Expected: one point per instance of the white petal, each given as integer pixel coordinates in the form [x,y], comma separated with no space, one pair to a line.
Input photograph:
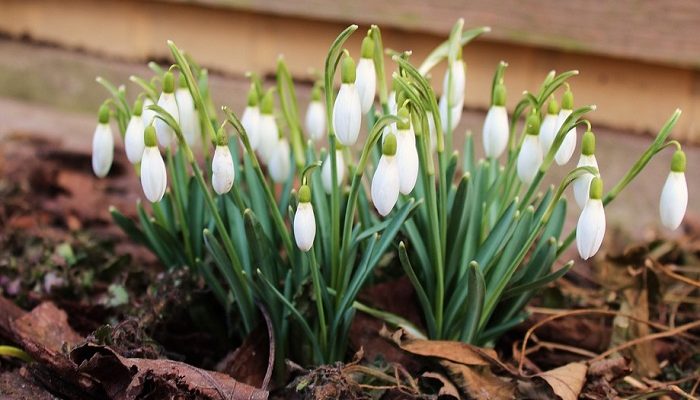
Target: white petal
[304,226]
[165,133]
[280,163]
[316,120]
[458,82]
[548,129]
[385,185]
[188,115]
[223,173]
[582,184]
[133,139]
[366,83]
[455,114]
[102,150]
[251,123]
[268,135]
[146,114]
[326,176]
[529,158]
[590,229]
[154,179]
[347,115]
[566,150]
[391,103]
[495,131]
[674,200]
[407,160]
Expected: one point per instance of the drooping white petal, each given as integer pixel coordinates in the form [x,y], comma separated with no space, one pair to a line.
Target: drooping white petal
[146,114]
[188,116]
[385,185]
[391,103]
[407,160]
[495,131]
[582,184]
[326,176]
[458,83]
[548,130]
[154,178]
[529,158]
[223,173]
[251,123]
[280,163]
[133,139]
[674,200]
[268,135]
[304,226]
[164,132]
[102,150]
[590,229]
[366,83]
[455,114]
[566,150]
[316,120]
[347,114]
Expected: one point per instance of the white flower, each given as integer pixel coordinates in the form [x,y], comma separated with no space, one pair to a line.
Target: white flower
[407,160]
[591,224]
[455,114]
[133,139]
[304,221]
[566,150]
[548,131]
[326,176]
[223,173]
[316,120]
[347,114]
[458,83]
[154,179]
[529,158]
[366,83]
[268,136]
[188,115]
[583,183]
[251,123]
[164,132]
[391,103]
[674,196]
[147,114]
[280,163]
[102,145]
[495,131]
[385,182]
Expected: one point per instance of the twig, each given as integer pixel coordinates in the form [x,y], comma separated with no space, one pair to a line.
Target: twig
[671,274]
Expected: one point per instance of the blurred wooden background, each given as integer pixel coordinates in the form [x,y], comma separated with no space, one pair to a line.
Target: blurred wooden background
[638,59]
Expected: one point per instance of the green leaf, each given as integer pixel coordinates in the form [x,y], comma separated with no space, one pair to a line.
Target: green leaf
[441,51]
[474,304]
[538,283]
[420,292]
[129,227]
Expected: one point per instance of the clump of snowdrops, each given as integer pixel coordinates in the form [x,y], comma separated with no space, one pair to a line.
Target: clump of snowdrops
[269,220]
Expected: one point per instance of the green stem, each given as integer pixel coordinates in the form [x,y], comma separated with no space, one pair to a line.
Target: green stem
[316,278]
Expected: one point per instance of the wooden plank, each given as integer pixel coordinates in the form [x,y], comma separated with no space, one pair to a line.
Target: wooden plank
[648,30]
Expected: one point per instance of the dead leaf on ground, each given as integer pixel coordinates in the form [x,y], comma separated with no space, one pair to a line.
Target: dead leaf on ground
[567,381]
[447,388]
[479,382]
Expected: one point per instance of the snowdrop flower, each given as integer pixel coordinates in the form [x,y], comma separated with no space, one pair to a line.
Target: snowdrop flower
[530,156]
[366,81]
[548,129]
[133,138]
[154,179]
[326,176]
[496,124]
[591,224]
[674,196]
[268,133]
[456,89]
[223,173]
[347,112]
[406,153]
[102,144]
[395,98]
[316,115]
[251,118]
[280,164]
[147,114]
[385,182]
[188,115]
[566,150]
[455,114]
[167,101]
[304,220]
[583,182]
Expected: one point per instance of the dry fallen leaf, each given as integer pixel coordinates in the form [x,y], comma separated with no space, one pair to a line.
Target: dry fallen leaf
[566,381]
[447,389]
[479,382]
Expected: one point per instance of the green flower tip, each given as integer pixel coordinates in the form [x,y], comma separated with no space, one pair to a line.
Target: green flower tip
[678,161]
[267,104]
[347,70]
[316,93]
[183,81]
[405,117]
[103,114]
[168,82]
[499,95]
[138,107]
[367,47]
[221,137]
[567,102]
[553,107]
[304,194]
[588,144]
[149,136]
[596,190]
[252,96]
[532,125]
[389,146]
[459,53]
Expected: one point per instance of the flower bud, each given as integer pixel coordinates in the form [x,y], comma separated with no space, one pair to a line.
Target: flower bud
[189,120]
[568,145]
[406,153]
[280,163]
[154,178]
[530,156]
[223,172]
[304,221]
[590,229]
[327,176]
[674,196]
[102,144]
[495,131]
[455,114]
[251,118]
[347,111]
[316,115]
[147,114]
[548,129]
[268,133]
[583,182]
[133,138]
[458,82]
[366,77]
[168,102]
[385,182]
